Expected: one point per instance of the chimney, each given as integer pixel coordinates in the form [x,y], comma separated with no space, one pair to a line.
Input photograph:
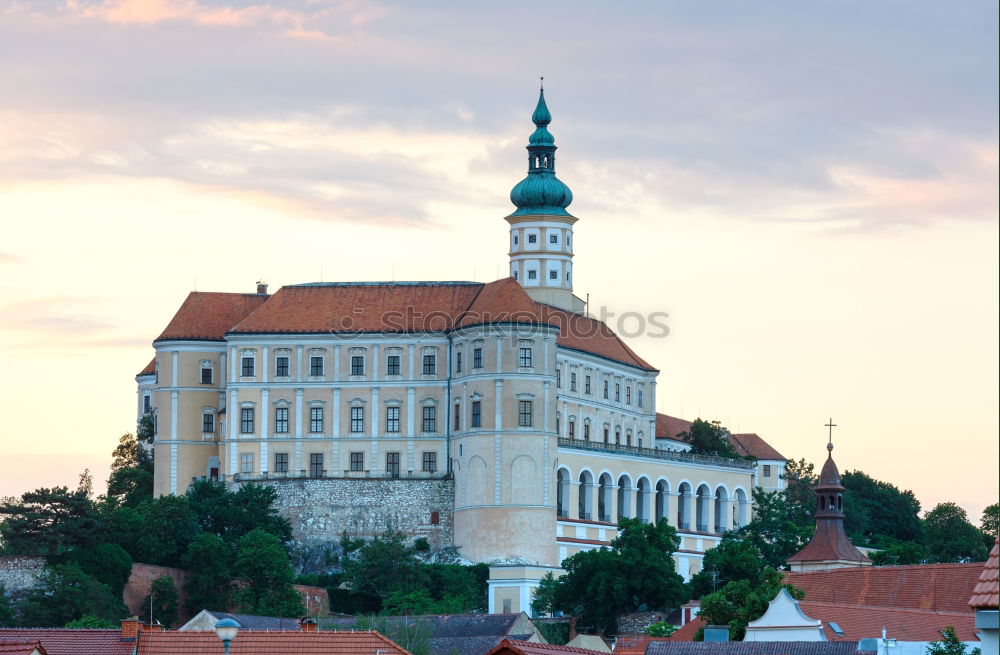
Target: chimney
[307,624]
[262,287]
[130,628]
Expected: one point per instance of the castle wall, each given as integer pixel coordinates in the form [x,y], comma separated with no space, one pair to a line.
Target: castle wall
[19,572]
[320,510]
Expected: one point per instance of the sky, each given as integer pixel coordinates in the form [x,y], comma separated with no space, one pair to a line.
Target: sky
[808,190]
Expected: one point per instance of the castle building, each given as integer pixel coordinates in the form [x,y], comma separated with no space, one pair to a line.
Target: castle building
[498,417]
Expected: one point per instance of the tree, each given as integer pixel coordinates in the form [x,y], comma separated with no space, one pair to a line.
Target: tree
[262,566]
[65,593]
[107,563]
[708,438]
[734,558]
[91,621]
[209,583]
[800,479]
[660,629]
[232,514]
[950,536]
[384,566]
[131,479]
[895,553]
[6,609]
[157,531]
[772,531]
[990,523]
[49,522]
[740,602]
[637,571]
[161,601]
[950,644]
[873,507]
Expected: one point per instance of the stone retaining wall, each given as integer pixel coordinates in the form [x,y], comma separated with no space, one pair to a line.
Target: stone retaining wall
[19,572]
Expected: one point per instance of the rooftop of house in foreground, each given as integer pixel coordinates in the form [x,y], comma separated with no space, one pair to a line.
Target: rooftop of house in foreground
[345,308]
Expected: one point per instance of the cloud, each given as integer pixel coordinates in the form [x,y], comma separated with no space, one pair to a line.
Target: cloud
[8,258]
[63,324]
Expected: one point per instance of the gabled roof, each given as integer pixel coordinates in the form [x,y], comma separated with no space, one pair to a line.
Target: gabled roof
[986,594]
[443,625]
[21,648]
[750,444]
[262,642]
[72,641]
[503,301]
[754,648]
[829,543]
[937,587]
[590,335]
[864,621]
[207,316]
[254,622]
[669,427]
[514,647]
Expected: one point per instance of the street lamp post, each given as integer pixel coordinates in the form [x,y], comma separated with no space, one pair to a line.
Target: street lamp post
[226,629]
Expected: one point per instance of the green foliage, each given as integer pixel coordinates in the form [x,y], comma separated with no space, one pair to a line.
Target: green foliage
[800,478]
[345,601]
[6,609]
[555,631]
[637,572]
[950,536]
[708,438]
[49,522]
[773,531]
[107,563]
[421,545]
[740,602]
[92,621]
[406,603]
[734,558]
[873,507]
[262,566]
[895,553]
[660,629]
[161,601]
[65,593]
[990,523]
[232,514]
[159,530]
[950,644]
[384,566]
[208,561]
[131,479]
[412,634]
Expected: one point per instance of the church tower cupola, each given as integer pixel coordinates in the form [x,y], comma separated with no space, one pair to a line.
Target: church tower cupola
[541,230]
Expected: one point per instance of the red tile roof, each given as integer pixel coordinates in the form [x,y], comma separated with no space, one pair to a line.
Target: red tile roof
[669,427]
[986,594]
[635,644]
[72,641]
[829,543]
[208,316]
[500,302]
[936,587]
[590,335]
[756,648]
[21,648]
[150,368]
[862,621]
[274,642]
[750,444]
[514,647]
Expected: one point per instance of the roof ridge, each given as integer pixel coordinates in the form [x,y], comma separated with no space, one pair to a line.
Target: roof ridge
[891,608]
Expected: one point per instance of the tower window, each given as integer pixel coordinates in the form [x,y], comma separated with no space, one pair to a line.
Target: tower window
[553,275]
[515,275]
[532,275]
[515,239]
[532,238]
[477,358]
[524,357]
[553,238]
[477,414]
[524,413]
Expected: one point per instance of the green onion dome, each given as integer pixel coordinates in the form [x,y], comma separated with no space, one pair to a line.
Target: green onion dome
[541,192]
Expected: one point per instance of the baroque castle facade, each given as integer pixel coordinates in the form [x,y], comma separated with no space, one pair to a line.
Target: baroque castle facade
[496,417]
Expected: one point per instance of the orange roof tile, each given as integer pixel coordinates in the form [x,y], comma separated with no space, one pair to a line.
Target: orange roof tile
[864,621]
[935,587]
[750,444]
[263,642]
[21,648]
[669,427]
[515,647]
[72,641]
[986,594]
[590,335]
[208,315]
[501,302]
[635,644]
[150,368]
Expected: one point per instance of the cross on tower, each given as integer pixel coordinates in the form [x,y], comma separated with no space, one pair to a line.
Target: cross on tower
[829,443]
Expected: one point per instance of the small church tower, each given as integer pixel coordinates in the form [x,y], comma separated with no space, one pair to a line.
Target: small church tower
[541,230]
[829,547]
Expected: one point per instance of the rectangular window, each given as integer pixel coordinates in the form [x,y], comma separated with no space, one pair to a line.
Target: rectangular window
[586,384]
[206,375]
[457,423]
[358,461]
[280,420]
[553,238]
[430,462]
[246,462]
[628,395]
[281,367]
[315,365]
[553,275]
[477,358]
[208,422]
[246,370]
[605,435]
[315,419]
[477,414]
[281,462]
[458,362]
[357,365]
[524,413]
[572,381]
[532,275]
[524,357]
[586,431]
[315,465]
[430,419]
[392,419]
[246,420]
[357,419]
[572,429]
[430,364]
[767,470]
[558,378]
[532,238]
[392,464]
[605,390]
[638,397]
[618,392]
[392,365]
[147,404]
